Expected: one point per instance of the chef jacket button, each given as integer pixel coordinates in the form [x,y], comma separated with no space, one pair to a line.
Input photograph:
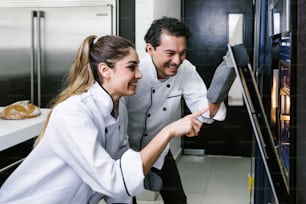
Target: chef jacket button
[119,127]
[168,85]
[146,134]
[153,90]
[149,115]
[106,130]
[164,109]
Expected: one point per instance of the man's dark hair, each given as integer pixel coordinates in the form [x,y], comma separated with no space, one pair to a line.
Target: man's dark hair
[168,25]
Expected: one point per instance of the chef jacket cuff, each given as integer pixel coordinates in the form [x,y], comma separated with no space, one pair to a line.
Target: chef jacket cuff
[220,115]
[132,171]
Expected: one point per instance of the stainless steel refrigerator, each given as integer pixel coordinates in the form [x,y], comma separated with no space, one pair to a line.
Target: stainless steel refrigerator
[38,45]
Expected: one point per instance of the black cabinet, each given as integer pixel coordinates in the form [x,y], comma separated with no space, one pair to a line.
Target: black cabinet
[209,22]
[12,157]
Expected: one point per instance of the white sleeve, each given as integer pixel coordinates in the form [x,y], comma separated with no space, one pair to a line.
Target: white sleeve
[195,94]
[73,136]
[219,116]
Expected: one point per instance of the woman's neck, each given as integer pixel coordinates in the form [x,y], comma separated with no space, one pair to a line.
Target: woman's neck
[115,110]
[115,100]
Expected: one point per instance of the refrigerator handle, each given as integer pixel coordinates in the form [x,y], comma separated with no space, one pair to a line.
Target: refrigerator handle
[112,17]
[34,14]
[36,56]
[40,15]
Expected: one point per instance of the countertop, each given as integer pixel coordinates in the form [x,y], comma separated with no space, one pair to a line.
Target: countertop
[13,132]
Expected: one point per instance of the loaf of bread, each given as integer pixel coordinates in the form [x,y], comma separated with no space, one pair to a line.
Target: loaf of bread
[20,110]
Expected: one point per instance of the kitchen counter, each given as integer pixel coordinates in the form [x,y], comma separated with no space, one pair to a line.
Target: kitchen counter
[13,132]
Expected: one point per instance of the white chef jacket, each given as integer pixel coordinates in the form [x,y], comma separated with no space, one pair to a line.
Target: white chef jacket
[158,102]
[82,156]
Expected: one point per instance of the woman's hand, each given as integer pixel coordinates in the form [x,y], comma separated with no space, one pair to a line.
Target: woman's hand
[188,125]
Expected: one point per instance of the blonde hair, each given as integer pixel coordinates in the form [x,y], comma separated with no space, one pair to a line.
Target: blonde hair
[84,70]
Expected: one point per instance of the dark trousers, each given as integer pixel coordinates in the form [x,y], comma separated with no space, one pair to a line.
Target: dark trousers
[172,191]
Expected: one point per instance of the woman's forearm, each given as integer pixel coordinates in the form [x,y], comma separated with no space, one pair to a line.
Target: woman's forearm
[152,151]
[188,126]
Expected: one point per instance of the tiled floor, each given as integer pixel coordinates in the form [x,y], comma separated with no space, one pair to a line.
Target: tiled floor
[213,180]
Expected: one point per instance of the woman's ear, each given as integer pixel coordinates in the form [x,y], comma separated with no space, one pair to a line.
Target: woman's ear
[104,70]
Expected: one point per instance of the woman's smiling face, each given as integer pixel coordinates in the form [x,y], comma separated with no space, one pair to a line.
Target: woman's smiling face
[122,79]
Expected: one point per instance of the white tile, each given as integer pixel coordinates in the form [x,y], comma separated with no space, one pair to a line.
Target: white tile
[195,164]
[194,198]
[195,185]
[228,183]
[232,164]
[229,176]
[213,179]
[217,198]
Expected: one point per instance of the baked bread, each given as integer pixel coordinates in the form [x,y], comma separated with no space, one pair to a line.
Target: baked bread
[20,110]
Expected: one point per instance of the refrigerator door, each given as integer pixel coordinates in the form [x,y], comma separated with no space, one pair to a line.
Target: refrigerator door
[62,29]
[38,45]
[15,55]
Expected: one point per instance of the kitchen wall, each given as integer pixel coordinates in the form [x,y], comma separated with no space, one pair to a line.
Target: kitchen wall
[146,11]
